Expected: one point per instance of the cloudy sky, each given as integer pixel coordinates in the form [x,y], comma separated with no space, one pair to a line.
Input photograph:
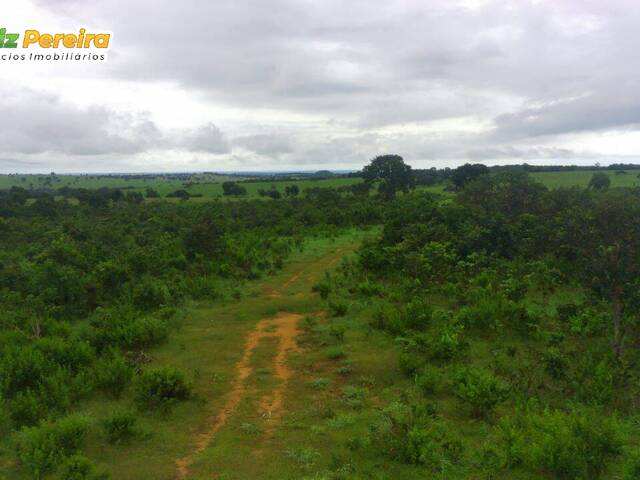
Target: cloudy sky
[246,85]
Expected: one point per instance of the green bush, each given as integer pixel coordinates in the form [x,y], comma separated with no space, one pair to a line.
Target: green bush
[632,465]
[492,311]
[481,390]
[42,448]
[353,396]
[410,434]
[149,294]
[120,427]
[417,314]
[162,386]
[338,308]
[410,362]
[335,353]
[337,332]
[388,318]
[113,374]
[445,342]
[323,288]
[28,408]
[554,362]
[78,467]
[574,445]
[428,379]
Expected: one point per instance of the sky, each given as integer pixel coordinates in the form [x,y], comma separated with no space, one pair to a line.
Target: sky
[254,85]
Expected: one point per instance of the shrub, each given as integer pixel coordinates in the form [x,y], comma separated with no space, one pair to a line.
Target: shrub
[120,427]
[445,343]
[78,467]
[572,446]
[337,332]
[335,353]
[494,312]
[409,434]
[554,362]
[353,396]
[161,386]
[632,466]
[319,384]
[388,318]
[576,445]
[150,294]
[113,374]
[369,288]
[28,408]
[143,332]
[481,390]
[410,362]
[41,449]
[428,379]
[21,368]
[417,314]
[323,288]
[338,308]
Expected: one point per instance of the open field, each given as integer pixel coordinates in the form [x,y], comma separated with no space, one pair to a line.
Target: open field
[210,186]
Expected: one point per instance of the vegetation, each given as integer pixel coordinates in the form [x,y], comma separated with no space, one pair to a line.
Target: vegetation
[488,331]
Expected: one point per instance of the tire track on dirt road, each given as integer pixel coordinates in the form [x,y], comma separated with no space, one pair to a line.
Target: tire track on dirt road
[284,326]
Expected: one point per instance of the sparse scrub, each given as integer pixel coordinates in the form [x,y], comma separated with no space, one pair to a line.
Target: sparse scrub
[428,379]
[304,457]
[120,426]
[338,308]
[319,384]
[78,467]
[335,353]
[42,448]
[480,390]
[160,387]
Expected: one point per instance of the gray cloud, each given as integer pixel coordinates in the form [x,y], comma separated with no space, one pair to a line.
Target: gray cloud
[270,145]
[533,71]
[593,111]
[207,138]
[40,123]
[37,123]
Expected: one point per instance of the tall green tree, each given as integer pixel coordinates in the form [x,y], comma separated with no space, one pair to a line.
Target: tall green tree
[608,256]
[467,173]
[393,174]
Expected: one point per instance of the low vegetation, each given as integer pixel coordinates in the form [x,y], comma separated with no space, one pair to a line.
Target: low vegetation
[485,332]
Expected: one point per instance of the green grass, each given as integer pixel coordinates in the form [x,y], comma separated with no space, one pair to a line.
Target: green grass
[209,186]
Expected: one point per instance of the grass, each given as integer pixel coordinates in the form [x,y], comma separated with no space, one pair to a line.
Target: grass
[207,185]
